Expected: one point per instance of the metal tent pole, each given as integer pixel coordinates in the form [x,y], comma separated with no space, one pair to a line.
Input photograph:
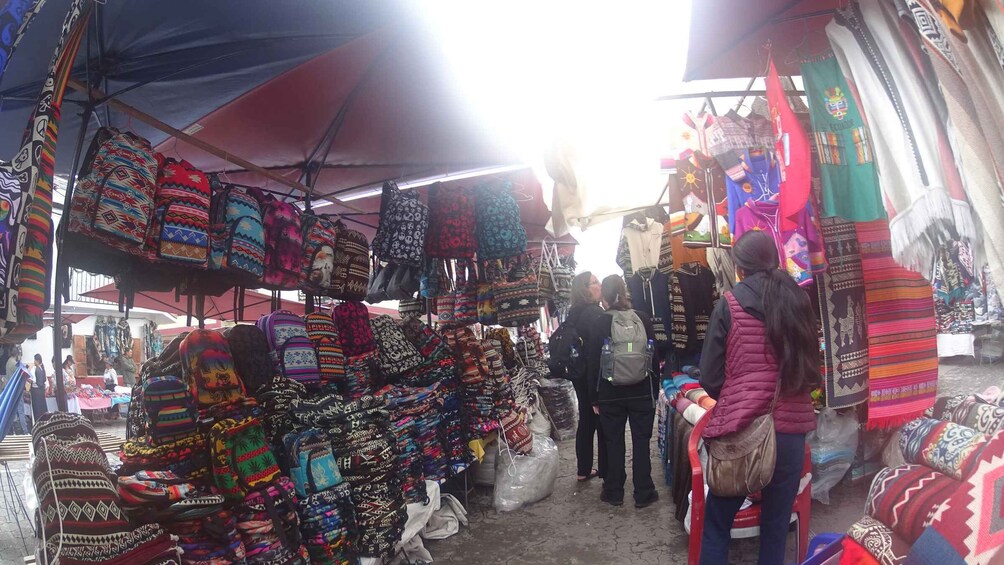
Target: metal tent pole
[57,304]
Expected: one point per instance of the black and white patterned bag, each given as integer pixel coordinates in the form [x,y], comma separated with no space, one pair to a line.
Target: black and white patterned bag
[397,354]
[404,222]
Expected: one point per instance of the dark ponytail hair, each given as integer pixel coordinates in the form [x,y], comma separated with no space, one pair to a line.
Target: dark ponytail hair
[614,293]
[791,321]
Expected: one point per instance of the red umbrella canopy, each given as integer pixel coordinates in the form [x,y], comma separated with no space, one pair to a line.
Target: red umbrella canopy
[526,189]
[380,107]
[728,38]
[221,307]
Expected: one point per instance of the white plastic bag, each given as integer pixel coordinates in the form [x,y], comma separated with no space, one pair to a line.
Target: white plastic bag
[539,424]
[561,407]
[484,471]
[833,443]
[525,479]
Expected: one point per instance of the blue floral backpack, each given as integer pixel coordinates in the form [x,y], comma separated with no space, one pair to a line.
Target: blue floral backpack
[499,230]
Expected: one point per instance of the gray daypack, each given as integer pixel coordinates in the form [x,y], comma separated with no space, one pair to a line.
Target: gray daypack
[627,356]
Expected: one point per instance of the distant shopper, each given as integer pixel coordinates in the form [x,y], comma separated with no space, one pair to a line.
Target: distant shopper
[110,376]
[38,406]
[583,316]
[622,388]
[761,331]
[13,366]
[126,367]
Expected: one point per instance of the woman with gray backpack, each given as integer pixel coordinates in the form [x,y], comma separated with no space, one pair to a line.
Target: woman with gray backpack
[621,370]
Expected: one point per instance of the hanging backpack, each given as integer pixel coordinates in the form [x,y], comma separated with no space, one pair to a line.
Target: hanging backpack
[626,358]
[352,320]
[292,351]
[208,368]
[241,459]
[170,409]
[350,278]
[238,234]
[404,222]
[320,237]
[250,351]
[113,202]
[451,224]
[500,231]
[283,243]
[330,358]
[312,465]
[179,226]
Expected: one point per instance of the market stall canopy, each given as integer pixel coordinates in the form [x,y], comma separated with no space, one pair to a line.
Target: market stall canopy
[358,89]
[728,38]
[221,307]
[526,188]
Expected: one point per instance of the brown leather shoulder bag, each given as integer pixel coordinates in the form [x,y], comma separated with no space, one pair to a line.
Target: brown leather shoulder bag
[742,463]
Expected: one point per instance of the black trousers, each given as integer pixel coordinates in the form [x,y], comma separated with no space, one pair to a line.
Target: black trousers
[589,426]
[614,415]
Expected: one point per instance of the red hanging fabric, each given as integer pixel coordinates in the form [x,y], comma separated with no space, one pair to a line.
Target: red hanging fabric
[792,147]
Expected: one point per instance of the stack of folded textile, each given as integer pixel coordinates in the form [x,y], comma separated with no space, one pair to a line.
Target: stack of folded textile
[275,400]
[421,406]
[209,538]
[328,524]
[268,523]
[478,405]
[80,511]
[365,451]
[360,375]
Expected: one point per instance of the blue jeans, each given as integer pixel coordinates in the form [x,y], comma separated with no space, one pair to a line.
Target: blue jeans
[19,412]
[775,510]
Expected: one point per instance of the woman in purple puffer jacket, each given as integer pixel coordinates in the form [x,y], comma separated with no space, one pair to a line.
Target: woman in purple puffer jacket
[761,331]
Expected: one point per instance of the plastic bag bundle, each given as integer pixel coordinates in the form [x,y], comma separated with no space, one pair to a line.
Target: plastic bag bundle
[561,406]
[525,479]
[484,472]
[833,444]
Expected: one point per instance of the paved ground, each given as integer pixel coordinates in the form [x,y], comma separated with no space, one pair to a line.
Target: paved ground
[572,526]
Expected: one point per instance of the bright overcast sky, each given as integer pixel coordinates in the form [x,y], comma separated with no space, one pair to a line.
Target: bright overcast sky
[533,71]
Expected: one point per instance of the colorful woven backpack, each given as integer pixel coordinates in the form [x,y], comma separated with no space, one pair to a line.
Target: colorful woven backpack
[451,224]
[179,226]
[292,351]
[352,321]
[283,243]
[312,462]
[170,409]
[250,351]
[404,223]
[351,275]
[113,202]
[322,331]
[208,368]
[238,234]
[320,236]
[500,232]
[242,461]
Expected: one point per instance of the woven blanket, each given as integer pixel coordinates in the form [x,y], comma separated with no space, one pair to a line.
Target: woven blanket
[842,313]
[944,446]
[968,527]
[904,498]
[970,412]
[902,342]
[884,545]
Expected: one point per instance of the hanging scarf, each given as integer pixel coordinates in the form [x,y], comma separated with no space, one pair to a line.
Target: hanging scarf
[29,175]
[792,148]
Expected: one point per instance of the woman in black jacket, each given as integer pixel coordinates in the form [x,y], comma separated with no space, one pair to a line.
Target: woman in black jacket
[582,315]
[617,405]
